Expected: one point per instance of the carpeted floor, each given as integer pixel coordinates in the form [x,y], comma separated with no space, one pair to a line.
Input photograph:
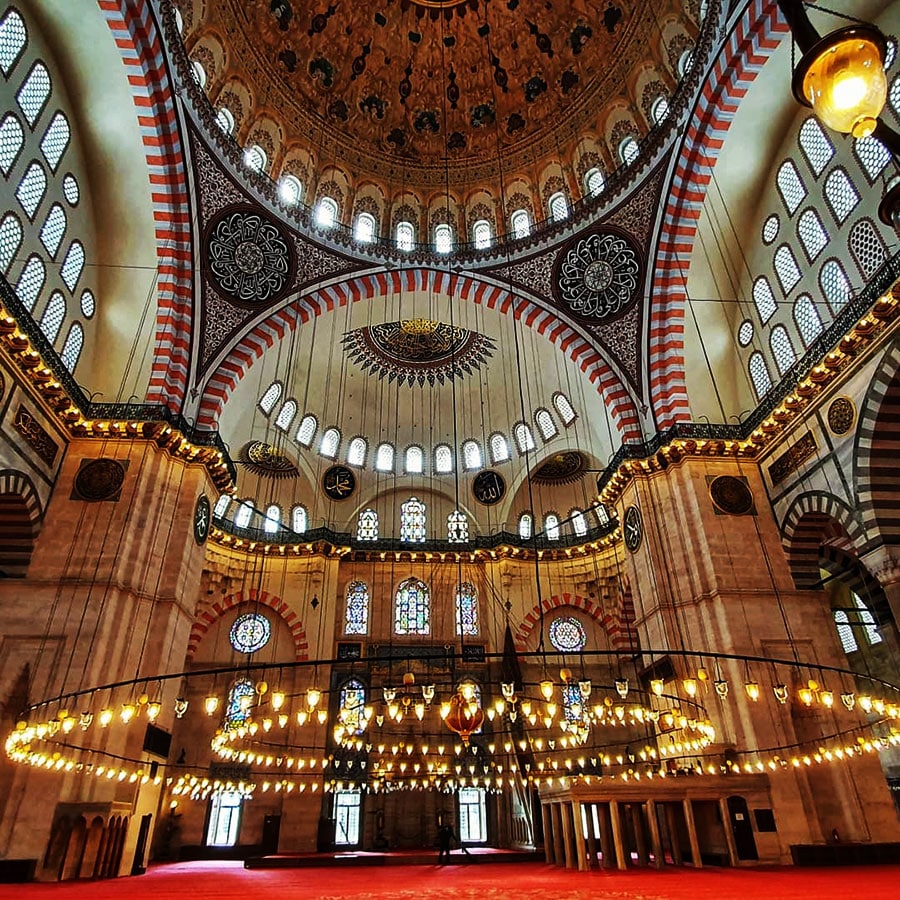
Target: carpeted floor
[230,881]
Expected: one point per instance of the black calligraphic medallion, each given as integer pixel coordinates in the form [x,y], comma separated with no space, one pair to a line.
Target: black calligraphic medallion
[338,482]
[488,487]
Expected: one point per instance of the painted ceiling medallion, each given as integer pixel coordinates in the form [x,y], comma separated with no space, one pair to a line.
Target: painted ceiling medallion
[267,461]
[598,276]
[561,468]
[731,495]
[99,479]
[416,351]
[248,256]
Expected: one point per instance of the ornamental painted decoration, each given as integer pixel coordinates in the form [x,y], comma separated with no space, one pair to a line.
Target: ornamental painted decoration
[416,351]
[99,479]
[250,632]
[202,518]
[841,415]
[249,258]
[731,495]
[267,461]
[598,276]
[561,468]
[567,634]
[633,528]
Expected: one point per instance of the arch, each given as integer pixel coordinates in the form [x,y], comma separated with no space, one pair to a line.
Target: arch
[254,344]
[207,617]
[619,626]
[20,520]
[754,38]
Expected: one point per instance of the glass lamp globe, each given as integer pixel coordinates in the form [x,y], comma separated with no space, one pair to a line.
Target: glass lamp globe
[842,78]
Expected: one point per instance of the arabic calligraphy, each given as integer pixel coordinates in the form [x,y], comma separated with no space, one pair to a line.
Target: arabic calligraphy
[35,436]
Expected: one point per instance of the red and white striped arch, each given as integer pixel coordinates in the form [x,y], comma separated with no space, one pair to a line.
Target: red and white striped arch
[753,40]
[367,287]
[140,44]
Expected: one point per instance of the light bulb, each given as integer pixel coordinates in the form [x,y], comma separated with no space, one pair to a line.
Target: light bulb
[277,700]
[752,690]
[154,708]
[106,716]
[690,686]
[127,713]
[826,698]
[806,696]
[622,687]
[657,685]
[547,688]
[467,689]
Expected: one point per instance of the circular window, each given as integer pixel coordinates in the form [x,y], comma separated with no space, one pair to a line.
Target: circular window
[88,305]
[250,633]
[567,634]
[70,190]
[770,229]
[745,333]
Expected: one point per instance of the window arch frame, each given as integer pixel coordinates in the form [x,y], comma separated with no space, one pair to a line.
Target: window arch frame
[367,234]
[367,525]
[311,423]
[413,521]
[385,456]
[806,316]
[457,527]
[33,114]
[482,235]
[782,348]
[13,61]
[813,237]
[524,438]
[357,452]
[290,189]
[53,316]
[327,213]
[356,608]
[792,194]
[405,236]
[8,158]
[286,415]
[498,439]
[299,517]
[520,223]
[332,436]
[558,206]
[440,451]
[629,150]
[546,424]
[831,189]
[255,158]
[270,397]
[564,408]
[414,460]
[419,622]
[466,625]
[760,377]
[816,147]
[525,526]
[473,458]
[442,238]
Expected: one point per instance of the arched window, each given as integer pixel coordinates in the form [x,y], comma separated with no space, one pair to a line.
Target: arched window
[71,191]
[782,349]
[364,229]
[54,314]
[867,247]
[807,319]
[579,522]
[307,429]
[272,522]
[526,526]
[845,632]
[466,609]
[443,238]
[786,268]
[405,236]
[594,182]
[659,111]
[290,189]
[521,223]
[412,521]
[412,608]
[31,189]
[872,155]
[255,158]
[327,212]
[481,232]
[34,93]
[225,120]
[367,525]
[357,451]
[759,375]
[243,514]
[558,206]
[629,151]
[54,229]
[685,63]
[834,284]
[299,519]
[812,233]
[221,506]
[499,448]
[286,415]
[31,282]
[384,458]
[240,699]
[88,304]
[790,186]
[415,460]
[471,452]
[602,514]
[10,241]
[356,617]
[352,712]
[457,527]
[546,425]
[816,146]
[12,137]
[524,438]
[551,527]
[564,408]
[13,38]
[73,265]
[270,397]
[868,621]
[443,459]
[331,441]
[199,73]
[840,194]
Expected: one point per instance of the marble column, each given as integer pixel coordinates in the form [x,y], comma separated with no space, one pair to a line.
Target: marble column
[655,840]
[618,836]
[729,832]
[548,833]
[692,834]
[580,846]
[568,834]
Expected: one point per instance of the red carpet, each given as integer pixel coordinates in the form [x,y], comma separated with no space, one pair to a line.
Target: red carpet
[230,881]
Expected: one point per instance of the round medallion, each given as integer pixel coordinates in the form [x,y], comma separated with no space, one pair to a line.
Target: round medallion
[100,479]
[731,495]
[338,482]
[202,518]
[561,468]
[633,528]
[489,487]
[267,461]
[598,276]
[250,633]
[841,415]
[567,634]
[250,258]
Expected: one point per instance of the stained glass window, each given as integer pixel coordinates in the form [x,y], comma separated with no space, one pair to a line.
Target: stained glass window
[412,521]
[521,223]
[367,526]
[834,284]
[31,189]
[13,37]
[356,452]
[250,632]
[412,608]
[472,459]
[526,524]
[222,505]
[298,519]
[270,397]
[524,437]
[499,448]
[659,112]
[559,207]
[564,408]
[546,425]
[551,527]
[759,375]
[240,699]
[840,195]
[457,527]
[31,281]
[790,186]
[52,319]
[573,702]
[272,522]
[567,634]
[12,137]
[10,241]
[53,230]
[579,523]
[353,704]
[384,458]
[809,322]
[356,618]
[782,349]
[415,460]
[466,609]
[817,148]
[55,140]
[286,415]
[72,265]
[331,440]
[307,430]
[443,459]
[34,93]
